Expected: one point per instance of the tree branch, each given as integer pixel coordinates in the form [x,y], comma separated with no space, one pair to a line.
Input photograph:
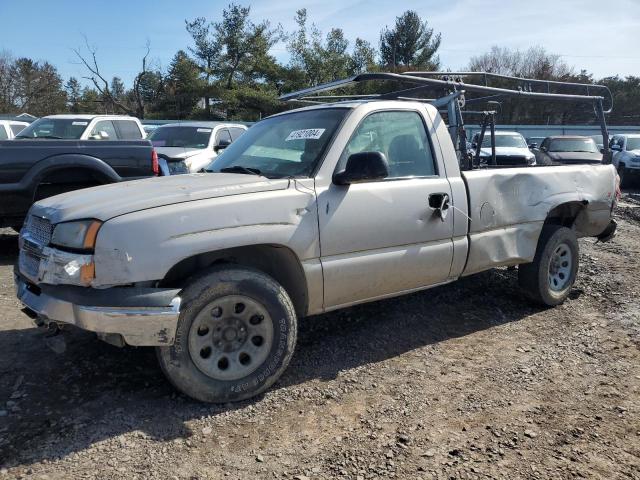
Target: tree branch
[101,83]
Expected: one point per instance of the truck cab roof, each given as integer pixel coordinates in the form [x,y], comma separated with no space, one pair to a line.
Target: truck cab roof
[85,116]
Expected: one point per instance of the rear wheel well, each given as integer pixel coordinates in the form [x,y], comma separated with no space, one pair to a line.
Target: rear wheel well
[565,214]
[67,179]
[277,261]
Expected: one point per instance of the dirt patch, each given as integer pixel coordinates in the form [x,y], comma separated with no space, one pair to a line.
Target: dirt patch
[463,381]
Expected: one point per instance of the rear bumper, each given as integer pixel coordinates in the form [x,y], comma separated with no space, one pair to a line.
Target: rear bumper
[609,232]
[141,316]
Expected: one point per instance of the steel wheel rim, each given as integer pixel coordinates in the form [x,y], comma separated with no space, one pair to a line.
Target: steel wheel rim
[230,337]
[560,266]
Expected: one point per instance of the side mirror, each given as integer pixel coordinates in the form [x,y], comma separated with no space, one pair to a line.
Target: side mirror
[222,144]
[533,145]
[474,145]
[101,135]
[363,167]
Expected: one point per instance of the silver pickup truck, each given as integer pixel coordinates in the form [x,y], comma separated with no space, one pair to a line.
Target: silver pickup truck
[311,210]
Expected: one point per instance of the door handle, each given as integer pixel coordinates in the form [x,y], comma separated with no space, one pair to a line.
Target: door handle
[439,202]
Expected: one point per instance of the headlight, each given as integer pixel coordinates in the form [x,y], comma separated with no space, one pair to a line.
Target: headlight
[80,235]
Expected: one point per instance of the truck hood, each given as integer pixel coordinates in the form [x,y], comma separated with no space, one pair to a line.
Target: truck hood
[508,151]
[108,201]
[576,157]
[179,152]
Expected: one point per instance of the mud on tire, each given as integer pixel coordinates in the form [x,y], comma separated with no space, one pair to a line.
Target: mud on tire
[235,337]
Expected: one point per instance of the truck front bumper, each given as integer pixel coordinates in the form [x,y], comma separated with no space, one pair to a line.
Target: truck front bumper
[139,316]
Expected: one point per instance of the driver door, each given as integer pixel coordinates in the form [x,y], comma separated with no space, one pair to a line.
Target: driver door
[382,238]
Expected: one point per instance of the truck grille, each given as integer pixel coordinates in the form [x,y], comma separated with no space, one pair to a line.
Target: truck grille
[38,229]
[511,160]
[29,265]
[35,234]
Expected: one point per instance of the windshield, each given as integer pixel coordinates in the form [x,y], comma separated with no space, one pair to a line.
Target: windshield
[64,128]
[633,143]
[573,145]
[283,146]
[505,141]
[187,137]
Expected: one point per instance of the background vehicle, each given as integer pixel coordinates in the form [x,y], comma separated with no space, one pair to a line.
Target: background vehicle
[626,157]
[568,149]
[309,211]
[511,149]
[534,142]
[196,144]
[598,140]
[31,170]
[10,128]
[84,127]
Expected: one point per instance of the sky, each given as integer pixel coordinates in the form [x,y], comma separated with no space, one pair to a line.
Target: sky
[601,37]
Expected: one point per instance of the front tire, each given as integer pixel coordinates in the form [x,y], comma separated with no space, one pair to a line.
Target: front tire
[235,337]
[549,278]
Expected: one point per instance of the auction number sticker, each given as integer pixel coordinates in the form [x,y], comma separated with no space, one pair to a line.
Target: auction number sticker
[204,130]
[83,124]
[306,134]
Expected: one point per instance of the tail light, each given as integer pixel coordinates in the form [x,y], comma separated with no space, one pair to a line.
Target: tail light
[154,162]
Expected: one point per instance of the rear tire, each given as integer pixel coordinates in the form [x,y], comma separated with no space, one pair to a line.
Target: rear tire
[549,278]
[236,334]
[624,178]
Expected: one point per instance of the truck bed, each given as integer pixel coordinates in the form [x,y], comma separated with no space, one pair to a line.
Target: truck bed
[508,207]
[33,169]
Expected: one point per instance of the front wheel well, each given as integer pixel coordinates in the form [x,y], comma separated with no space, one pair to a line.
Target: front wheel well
[277,261]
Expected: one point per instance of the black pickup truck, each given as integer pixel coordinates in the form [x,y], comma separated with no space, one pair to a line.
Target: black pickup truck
[34,169]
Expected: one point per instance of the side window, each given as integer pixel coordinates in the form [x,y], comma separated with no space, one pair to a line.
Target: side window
[128,130]
[236,132]
[401,136]
[16,128]
[107,127]
[3,133]
[223,134]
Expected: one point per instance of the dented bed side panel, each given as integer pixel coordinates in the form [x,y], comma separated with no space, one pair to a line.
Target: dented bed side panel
[508,208]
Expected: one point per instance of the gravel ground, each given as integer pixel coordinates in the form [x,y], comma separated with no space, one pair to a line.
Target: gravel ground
[467,380]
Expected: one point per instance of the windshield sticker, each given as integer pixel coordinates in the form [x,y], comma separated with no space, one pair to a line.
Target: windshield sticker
[84,124]
[306,134]
[204,130]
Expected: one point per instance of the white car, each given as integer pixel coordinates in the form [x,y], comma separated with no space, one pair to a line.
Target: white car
[196,144]
[626,156]
[85,127]
[10,128]
[511,149]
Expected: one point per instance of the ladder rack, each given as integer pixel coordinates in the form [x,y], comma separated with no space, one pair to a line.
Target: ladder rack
[450,89]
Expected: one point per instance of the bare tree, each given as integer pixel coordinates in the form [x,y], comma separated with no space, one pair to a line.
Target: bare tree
[103,86]
[534,62]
